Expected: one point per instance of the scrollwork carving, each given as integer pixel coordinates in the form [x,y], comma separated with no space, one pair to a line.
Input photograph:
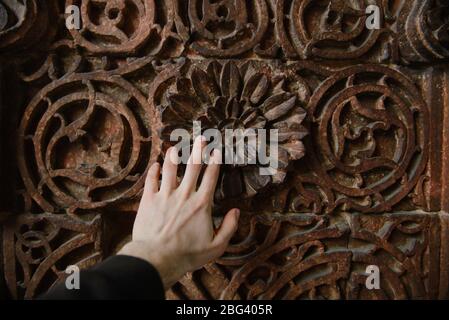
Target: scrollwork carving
[85,142]
[95,108]
[227,28]
[333,29]
[369,143]
[121,27]
[304,256]
[38,248]
[24,24]
[424,30]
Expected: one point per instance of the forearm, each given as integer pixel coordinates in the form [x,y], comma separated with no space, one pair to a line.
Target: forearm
[118,277]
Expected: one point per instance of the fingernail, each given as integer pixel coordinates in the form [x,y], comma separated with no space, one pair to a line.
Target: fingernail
[173,155]
[237,213]
[169,151]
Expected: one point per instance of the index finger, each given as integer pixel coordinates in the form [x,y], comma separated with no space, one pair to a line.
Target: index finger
[210,178]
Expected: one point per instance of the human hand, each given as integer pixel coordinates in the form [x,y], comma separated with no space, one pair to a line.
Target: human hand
[173,229]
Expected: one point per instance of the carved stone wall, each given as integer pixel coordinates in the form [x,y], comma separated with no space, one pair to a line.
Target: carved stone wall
[363,116]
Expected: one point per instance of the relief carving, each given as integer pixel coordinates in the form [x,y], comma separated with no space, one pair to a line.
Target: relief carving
[227,28]
[84,142]
[23,24]
[304,256]
[333,29]
[424,30]
[124,27]
[369,141]
[96,106]
[238,97]
[38,248]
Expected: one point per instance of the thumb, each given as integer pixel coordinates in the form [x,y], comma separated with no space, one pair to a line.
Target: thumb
[227,229]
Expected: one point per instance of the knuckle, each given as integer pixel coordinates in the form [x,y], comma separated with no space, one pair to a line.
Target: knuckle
[198,206]
[203,198]
[219,245]
[148,196]
[218,249]
[182,194]
[163,195]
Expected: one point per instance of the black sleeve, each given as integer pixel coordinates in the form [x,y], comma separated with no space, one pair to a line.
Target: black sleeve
[118,277]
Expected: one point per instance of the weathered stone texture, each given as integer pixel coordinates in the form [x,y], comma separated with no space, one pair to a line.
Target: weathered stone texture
[364,117]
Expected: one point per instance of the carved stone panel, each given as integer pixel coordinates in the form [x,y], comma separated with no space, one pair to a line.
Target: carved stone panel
[424,30]
[362,116]
[37,248]
[305,256]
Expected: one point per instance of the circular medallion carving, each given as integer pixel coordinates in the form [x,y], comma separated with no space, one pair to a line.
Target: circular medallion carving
[85,142]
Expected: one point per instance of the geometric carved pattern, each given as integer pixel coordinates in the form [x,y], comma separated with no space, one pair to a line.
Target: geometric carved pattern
[81,163]
[38,248]
[364,114]
[227,28]
[293,29]
[424,30]
[301,256]
[25,23]
[369,143]
[326,29]
[123,27]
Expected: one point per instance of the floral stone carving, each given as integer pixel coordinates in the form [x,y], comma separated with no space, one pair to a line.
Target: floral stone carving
[231,96]
[85,112]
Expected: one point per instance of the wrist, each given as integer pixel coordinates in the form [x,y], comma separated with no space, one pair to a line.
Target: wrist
[144,251]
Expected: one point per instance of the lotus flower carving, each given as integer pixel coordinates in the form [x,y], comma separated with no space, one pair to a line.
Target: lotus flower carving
[229,96]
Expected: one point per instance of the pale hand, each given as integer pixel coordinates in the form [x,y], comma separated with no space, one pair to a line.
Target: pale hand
[173,229]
